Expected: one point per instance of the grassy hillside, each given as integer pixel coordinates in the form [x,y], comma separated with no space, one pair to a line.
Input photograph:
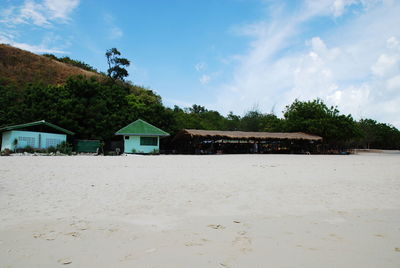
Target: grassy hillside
[22,67]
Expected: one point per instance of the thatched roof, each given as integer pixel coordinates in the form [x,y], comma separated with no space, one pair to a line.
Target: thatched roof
[216,134]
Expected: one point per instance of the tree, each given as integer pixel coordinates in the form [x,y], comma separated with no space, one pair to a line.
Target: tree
[232,121]
[378,135]
[10,104]
[255,120]
[92,108]
[315,117]
[116,64]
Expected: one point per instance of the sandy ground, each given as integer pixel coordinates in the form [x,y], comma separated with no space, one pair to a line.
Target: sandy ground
[200,211]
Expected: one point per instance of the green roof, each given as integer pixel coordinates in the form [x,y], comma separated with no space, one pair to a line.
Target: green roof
[37,123]
[141,128]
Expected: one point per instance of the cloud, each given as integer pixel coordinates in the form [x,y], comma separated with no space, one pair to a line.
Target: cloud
[200,66]
[60,9]
[386,65]
[114,32]
[354,64]
[205,79]
[43,14]
[42,48]
[40,13]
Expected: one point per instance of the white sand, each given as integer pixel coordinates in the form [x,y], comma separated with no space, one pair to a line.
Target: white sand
[200,211]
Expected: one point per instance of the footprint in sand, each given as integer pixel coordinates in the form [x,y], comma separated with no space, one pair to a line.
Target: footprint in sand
[192,244]
[243,242]
[74,234]
[216,226]
[47,236]
[65,261]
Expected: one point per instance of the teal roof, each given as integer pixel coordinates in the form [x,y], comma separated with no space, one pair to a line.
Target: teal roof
[141,128]
[42,122]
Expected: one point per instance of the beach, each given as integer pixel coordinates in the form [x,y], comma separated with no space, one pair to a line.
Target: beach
[200,211]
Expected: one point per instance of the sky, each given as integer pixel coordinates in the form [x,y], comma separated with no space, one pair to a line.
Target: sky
[230,55]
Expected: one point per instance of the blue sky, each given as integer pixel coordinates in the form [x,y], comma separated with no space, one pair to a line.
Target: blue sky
[230,55]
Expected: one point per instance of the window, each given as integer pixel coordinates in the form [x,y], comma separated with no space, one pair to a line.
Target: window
[28,141]
[52,142]
[148,141]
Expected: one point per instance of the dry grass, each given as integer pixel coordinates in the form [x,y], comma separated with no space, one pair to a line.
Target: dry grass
[22,67]
[247,135]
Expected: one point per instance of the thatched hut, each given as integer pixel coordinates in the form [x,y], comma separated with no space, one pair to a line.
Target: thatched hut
[214,141]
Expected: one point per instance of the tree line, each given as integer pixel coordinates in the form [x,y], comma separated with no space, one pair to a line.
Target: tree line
[95,108]
[72,62]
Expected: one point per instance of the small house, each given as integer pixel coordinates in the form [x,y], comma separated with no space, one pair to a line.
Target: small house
[37,135]
[141,137]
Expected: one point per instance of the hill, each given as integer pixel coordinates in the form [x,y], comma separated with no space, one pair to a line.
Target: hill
[22,67]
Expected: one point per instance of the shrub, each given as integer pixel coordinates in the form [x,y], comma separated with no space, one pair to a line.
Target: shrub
[15,144]
[64,148]
[155,151]
[28,149]
[5,152]
[51,149]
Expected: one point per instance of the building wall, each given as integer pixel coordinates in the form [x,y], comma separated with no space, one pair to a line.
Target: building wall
[6,142]
[134,143]
[37,140]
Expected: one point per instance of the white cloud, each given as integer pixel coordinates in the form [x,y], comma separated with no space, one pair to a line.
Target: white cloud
[42,14]
[205,79]
[354,65]
[60,9]
[115,33]
[385,66]
[31,12]
[41,48]
[200,66]
[393,84]
[39,13]
[393,43]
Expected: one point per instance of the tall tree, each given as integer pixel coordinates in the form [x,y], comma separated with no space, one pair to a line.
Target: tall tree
[315,117]
[116,64]
[378,135]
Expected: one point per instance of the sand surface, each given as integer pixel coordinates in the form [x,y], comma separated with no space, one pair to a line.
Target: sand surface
[200,211]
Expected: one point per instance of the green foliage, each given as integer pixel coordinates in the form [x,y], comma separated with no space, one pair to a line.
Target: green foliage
[232,122]
[155,152]
[72,62]
[6,152]
[10,103]
[15,143]
[88,107]
[378,135]
[197,117]
[28,149]
[51,149]
[254,120]
[116,64]
[315,117]
[95,109]
[64,148]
